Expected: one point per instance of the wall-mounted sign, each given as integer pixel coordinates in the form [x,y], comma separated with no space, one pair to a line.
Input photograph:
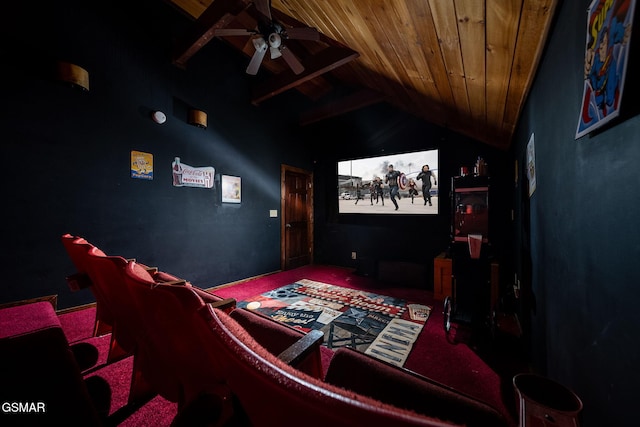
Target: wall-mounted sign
[607,49]
[141,165]
[188,176]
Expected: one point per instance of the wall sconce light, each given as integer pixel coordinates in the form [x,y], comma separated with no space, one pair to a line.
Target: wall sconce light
[159,117]
[72,74]
[198,118]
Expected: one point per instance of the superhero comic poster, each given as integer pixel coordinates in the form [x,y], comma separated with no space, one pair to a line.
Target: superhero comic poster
[609,24]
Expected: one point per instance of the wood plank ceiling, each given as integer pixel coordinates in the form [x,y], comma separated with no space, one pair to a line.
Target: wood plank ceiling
[466,65]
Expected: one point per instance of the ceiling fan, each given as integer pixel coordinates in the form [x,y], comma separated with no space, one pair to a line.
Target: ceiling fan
[271,35]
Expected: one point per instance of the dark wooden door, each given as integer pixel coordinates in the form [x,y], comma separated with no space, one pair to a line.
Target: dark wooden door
[297,217]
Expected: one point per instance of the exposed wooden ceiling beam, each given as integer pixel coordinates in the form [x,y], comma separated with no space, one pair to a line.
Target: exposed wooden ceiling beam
[360,99]
[218,15]
[316,65]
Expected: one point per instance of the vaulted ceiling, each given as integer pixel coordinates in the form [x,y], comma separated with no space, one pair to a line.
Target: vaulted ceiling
[466,65]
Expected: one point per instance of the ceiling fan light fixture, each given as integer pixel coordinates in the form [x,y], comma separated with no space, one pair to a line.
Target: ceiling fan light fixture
[275,40]
[275,52]
[272,35]
[259,43]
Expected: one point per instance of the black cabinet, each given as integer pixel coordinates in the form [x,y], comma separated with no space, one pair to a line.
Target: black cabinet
[470,251]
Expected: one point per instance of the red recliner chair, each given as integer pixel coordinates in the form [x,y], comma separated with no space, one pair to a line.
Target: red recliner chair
[77,248]
[165,311]
[107,273]
[269,390]
[184,368]
[39,369]
[363,374]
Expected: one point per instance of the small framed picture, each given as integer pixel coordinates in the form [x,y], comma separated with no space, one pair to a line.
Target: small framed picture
[141,165]
[231,189]
[531,165]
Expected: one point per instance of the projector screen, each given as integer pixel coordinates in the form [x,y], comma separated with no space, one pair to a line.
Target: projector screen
[389,184]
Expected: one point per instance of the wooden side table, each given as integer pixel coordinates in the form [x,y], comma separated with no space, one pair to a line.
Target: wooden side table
[441,277]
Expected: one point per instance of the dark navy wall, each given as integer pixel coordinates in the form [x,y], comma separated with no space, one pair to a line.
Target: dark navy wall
[67,153]
[578,238]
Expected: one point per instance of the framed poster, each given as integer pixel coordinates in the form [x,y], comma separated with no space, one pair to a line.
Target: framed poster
[609,24]
[531,165]
[231,189]
[141,165]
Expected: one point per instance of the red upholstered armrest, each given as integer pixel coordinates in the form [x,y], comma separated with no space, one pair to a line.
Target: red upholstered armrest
[161,276]
[155,277]
[155,272]
[277,337]
[225,304]
[272,335]
[298,351]
[371,377]
[169,279]
[173,283]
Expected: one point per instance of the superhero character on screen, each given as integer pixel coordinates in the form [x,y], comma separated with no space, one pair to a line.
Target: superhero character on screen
[425,176]
[376,190]
[392,178]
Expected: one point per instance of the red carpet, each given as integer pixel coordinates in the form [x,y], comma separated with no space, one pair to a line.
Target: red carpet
[433,355]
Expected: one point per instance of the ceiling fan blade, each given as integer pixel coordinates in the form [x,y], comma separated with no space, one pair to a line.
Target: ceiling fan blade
[264,7]
[291,60]
[256,59]
[223,32]
[303,33]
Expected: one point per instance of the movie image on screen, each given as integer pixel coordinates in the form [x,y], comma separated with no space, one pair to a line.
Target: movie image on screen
[404,183]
